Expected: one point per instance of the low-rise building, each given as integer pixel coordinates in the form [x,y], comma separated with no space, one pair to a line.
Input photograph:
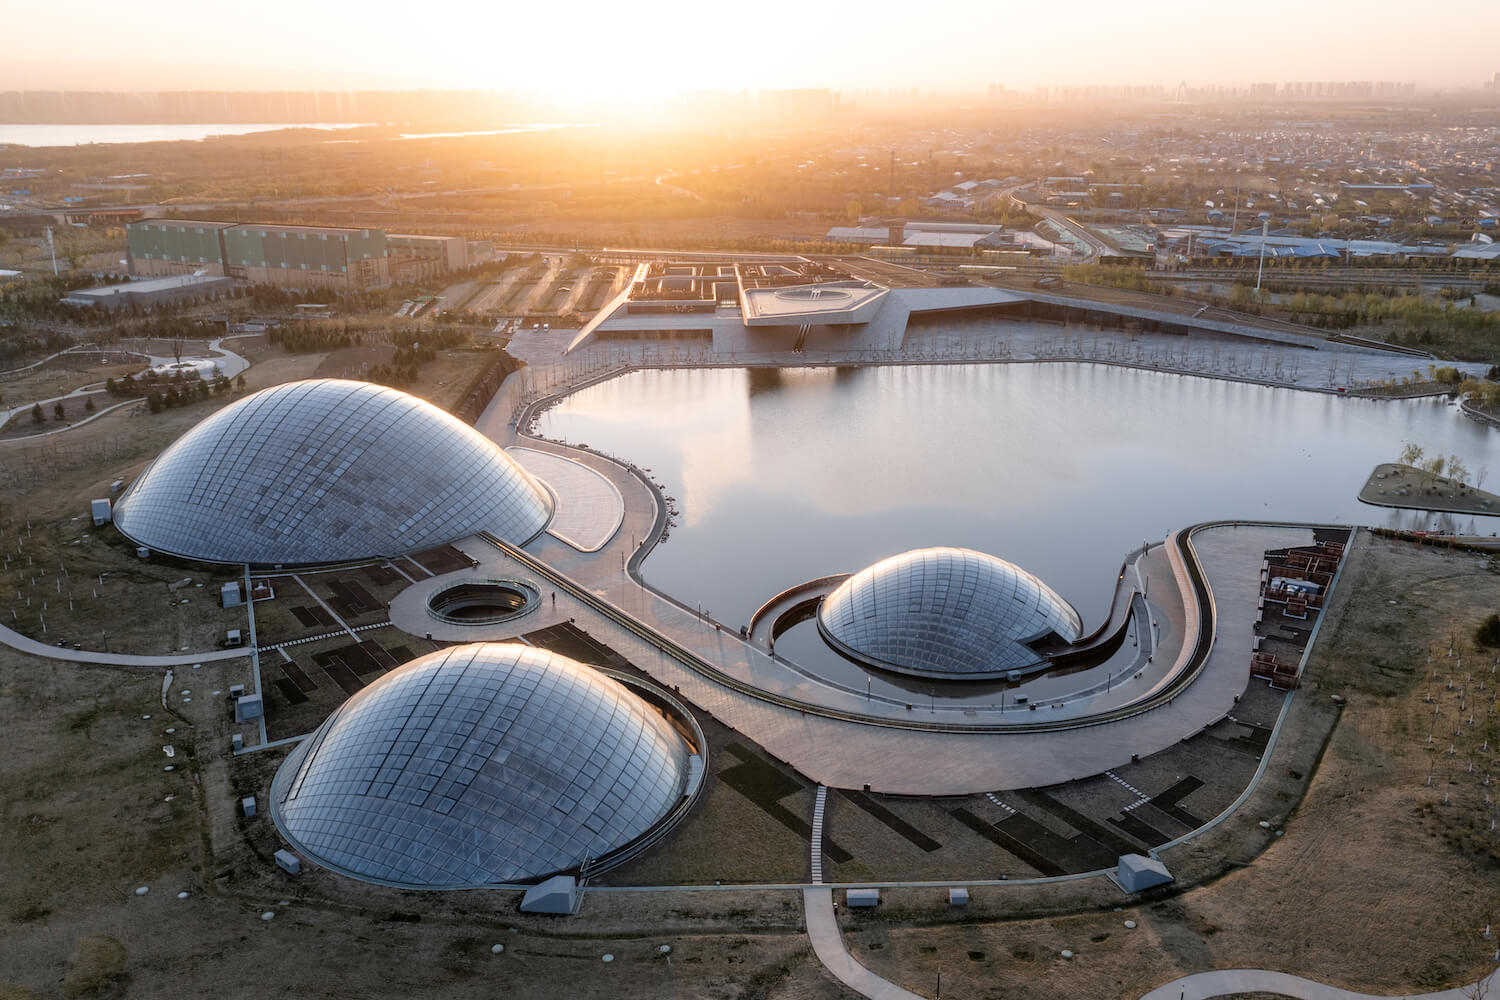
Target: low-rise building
[261,253]
[414,257]
[150,291]
[306,256]
[161,247]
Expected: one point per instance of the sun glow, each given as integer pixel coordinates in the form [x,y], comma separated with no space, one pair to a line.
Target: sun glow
[631,55]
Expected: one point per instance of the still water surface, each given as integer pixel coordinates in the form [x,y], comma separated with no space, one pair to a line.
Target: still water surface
[80,135]
[786,475]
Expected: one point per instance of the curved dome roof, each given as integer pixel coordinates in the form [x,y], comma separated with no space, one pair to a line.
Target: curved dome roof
[479,764]
[945,612]
[328,470]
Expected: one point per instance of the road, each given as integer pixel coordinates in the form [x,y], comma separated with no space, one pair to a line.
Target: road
[1094,245]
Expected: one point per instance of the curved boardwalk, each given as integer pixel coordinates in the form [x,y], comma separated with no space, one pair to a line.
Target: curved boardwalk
[763,622]
[882,751]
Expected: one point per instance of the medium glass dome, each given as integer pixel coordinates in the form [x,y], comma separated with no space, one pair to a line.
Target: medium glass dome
[945,612]
[484,764]
[328,470]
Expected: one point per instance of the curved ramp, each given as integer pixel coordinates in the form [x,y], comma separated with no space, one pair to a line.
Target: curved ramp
[588,509]
[764,624]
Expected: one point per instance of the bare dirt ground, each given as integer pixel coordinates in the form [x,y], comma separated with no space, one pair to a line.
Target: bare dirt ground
[91,815]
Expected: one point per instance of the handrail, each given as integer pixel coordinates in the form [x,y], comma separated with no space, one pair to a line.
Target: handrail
[765,608]
[530,593]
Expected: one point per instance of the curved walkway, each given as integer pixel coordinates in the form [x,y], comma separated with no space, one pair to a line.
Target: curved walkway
[1226,982]
[763,623]
[588,508]
[74,426]
[828,945]
[23,644]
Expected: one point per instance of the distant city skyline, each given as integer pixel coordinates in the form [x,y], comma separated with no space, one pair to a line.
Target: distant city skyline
[623,56]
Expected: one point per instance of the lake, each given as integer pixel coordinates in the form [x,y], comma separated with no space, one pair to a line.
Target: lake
[79,135]
[790,474]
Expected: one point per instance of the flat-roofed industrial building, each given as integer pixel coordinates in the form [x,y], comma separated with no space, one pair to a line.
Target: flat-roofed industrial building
[160,248]
[415,257]
[151,291]
[306,256]
[261,253]
[295,256]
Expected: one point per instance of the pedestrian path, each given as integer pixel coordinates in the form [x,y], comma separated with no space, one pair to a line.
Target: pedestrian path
[1227,982]
[828,945]
[62,430]
[588,508]
[21,643]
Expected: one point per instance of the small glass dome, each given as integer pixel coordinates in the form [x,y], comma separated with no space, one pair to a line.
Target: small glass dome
[945,612]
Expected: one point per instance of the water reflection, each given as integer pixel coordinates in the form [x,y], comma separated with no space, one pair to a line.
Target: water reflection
[1060,468]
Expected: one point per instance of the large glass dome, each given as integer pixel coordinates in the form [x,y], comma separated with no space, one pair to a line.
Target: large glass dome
[478,765]
[945,612]
[327,471]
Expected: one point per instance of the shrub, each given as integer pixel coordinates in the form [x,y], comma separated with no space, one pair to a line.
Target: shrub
[1488,632]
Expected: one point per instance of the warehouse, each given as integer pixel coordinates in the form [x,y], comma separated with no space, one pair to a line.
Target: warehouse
[150,291]
[306,256]
[261,253]
[416,257]
[161,247]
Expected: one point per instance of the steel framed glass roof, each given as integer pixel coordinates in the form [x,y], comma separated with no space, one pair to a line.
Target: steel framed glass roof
[945,612]
[482,764]
[328,470]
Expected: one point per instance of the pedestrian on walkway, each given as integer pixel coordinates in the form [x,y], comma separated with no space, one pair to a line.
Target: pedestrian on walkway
[554,598]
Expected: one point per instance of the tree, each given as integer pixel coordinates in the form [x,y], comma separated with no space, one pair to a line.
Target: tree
[1411,454]
[72,251]
[1433,467]
[36,413]
[239,381]
[155,402]
[58,413]
[1458,472]
[88,403]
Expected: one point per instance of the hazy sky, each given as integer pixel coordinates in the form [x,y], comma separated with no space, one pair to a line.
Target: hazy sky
[649,48]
